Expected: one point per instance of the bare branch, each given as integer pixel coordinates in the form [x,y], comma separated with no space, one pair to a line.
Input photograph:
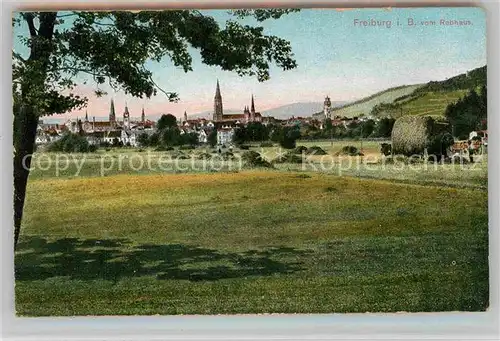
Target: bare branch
[67,15]
[18,56]
[76,69]
[168,94]
[103,24]
[29,17]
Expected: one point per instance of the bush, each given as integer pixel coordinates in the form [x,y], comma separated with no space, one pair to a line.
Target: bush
[287,143]
[385,149]
[227,155]
[458,160]
[71,143]
[287,137]
[300,150]
[315,150]
[254,159]
[204,156]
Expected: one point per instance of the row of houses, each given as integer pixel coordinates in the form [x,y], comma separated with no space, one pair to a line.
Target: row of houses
[48,133]
[128,134]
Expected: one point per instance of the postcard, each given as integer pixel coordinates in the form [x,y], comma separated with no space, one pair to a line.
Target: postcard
[248,161]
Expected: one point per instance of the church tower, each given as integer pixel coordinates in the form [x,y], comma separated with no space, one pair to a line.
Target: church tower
[112,116]
[327,106]
[252,110]
[185,116]
[126,117]
[218,111]
[143,116]
[86,116]
[246,114]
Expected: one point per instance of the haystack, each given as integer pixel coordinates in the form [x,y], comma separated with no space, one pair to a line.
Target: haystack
[315,150]
[350,151]
[300,150]
[254,159]
[204,156]
[412,135]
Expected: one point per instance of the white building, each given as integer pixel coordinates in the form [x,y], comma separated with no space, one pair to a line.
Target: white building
[202,136]
[46,134]
[129,137]
[225,136]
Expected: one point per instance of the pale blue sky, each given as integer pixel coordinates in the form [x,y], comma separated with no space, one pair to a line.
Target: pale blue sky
[334,57]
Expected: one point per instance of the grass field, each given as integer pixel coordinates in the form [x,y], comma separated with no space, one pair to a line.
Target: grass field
[127,162]
[251,241]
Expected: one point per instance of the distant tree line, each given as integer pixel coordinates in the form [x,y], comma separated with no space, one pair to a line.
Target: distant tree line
[355,129]
[252,132]
[168,134]
[257,132]
[287,135]
[469,113]
[471,80]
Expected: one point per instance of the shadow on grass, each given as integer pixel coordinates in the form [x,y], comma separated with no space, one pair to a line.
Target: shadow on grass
[114,259]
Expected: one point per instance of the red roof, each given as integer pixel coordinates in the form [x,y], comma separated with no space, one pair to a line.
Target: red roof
[233,117]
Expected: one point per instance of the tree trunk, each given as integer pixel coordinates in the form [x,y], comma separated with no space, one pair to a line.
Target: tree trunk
[26,118]
[26,122]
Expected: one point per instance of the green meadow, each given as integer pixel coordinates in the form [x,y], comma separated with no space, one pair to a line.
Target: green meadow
[372,238]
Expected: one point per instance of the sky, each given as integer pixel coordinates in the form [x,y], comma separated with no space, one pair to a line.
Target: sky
[336,56]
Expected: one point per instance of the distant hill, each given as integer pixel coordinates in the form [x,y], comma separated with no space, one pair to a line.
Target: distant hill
[432,98]
[464,81]
[365,105]
[301,109]
[209,114]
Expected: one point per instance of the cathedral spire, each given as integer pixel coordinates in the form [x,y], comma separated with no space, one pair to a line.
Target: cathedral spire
[185,116]
[217,90]
[218,110]
[112,116]
[143,115]
[86,116]
[253,106]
